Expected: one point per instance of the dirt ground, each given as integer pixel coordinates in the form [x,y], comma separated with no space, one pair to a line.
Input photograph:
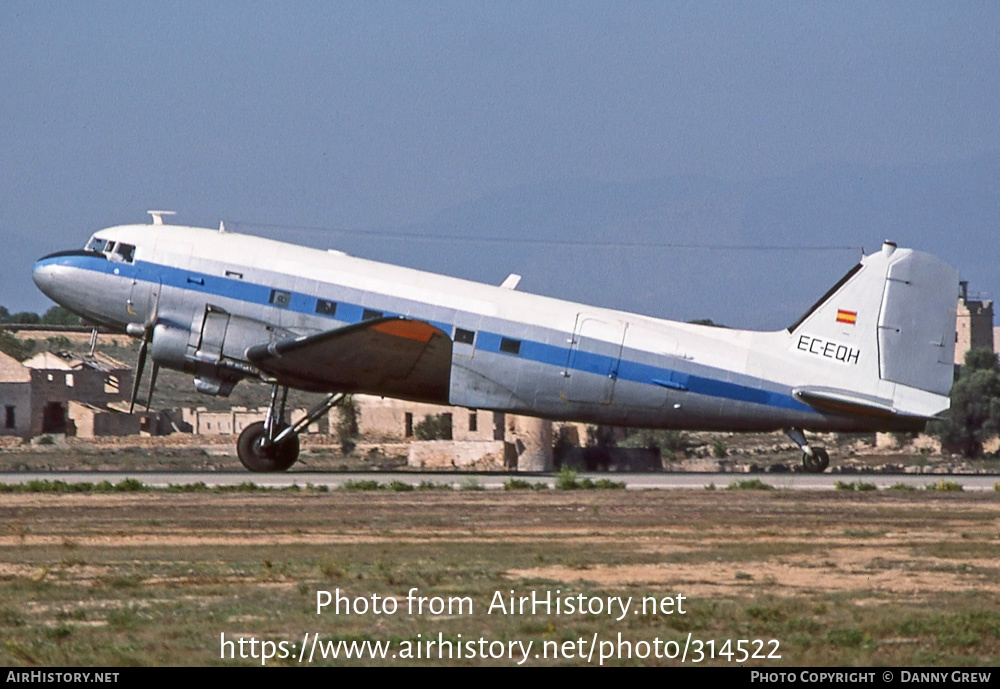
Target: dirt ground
[850,561]
[883,577]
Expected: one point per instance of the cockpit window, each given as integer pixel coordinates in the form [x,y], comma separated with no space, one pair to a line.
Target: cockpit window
[119,252]
[126,251]
[115,251]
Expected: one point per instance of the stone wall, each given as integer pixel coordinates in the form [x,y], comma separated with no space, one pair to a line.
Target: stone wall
[483,455]
[93,422]
[381,418]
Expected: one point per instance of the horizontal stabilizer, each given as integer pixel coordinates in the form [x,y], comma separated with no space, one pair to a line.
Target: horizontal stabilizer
[849,404]
[839,401]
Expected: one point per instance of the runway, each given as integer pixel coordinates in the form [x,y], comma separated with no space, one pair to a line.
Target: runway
[494,481]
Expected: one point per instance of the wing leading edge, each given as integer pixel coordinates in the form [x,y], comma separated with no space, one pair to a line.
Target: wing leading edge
[392,356]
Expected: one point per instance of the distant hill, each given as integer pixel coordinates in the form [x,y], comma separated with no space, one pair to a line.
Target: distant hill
[952,210]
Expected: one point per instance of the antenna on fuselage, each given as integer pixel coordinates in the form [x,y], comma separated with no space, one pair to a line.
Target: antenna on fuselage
[158,216]
[511,281]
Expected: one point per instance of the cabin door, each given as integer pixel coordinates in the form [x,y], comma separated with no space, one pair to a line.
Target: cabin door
[594,358]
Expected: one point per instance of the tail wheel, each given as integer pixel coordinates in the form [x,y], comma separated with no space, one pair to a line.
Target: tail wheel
[256,454]
[817,462]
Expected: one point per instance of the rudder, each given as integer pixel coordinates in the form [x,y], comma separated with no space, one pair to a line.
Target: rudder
[916,327]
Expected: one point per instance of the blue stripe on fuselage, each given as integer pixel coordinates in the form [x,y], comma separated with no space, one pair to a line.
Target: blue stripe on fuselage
[587,362]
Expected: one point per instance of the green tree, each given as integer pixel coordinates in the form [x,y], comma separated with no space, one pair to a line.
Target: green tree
[669,442]
[981,359]
[434,427]
[17,348]
[25,318]
[57,315]
[974,415]
[347,426]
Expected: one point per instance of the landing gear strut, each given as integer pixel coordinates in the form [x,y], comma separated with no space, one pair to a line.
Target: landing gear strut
[273,445]
[815,460]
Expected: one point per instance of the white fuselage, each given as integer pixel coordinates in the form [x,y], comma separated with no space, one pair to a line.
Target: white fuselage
[526,353]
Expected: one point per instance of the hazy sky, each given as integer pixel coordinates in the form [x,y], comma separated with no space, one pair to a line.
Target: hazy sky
[375,115]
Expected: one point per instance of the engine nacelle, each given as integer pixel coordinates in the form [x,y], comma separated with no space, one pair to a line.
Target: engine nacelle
[168,347]
[213,347]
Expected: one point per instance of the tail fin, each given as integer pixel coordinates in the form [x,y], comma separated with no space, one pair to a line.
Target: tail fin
[891,319]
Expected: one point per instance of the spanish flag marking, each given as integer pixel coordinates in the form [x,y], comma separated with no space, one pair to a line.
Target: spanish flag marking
[849,317]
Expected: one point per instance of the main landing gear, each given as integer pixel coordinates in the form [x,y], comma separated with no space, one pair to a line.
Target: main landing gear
[271,444]
[815,460]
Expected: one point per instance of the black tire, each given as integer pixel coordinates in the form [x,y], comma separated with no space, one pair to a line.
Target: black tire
[824,459]
[258,457]
[818,462]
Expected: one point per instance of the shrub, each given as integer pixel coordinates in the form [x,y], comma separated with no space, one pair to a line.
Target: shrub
[752,484]
[946,486]
[430,485]
[566,479]
[719,450]
[974,414]
[347,426]
[361,485]
[434,427]
[517,484]
[859,486]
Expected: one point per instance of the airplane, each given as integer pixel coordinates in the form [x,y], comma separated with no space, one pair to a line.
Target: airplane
[874,353]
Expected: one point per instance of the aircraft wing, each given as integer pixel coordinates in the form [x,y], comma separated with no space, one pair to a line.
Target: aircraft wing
[392,356]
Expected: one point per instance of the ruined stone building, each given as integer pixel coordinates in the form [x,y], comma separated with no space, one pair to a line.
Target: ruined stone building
[15,397]
[42,394]
[382,418]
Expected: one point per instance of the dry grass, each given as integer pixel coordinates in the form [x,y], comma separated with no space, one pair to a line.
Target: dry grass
[840,578]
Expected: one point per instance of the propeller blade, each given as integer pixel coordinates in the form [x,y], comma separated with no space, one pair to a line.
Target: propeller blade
[147,337]
[138,374]
[152,383]
[155,313]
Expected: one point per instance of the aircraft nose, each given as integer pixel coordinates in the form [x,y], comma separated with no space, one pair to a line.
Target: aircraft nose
[64,278]
[44,275]
[53,276]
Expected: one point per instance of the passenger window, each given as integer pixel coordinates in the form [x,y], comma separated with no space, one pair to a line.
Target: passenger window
[370,314]
[279,298]
[326,308]
[510,346]
[464,336]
